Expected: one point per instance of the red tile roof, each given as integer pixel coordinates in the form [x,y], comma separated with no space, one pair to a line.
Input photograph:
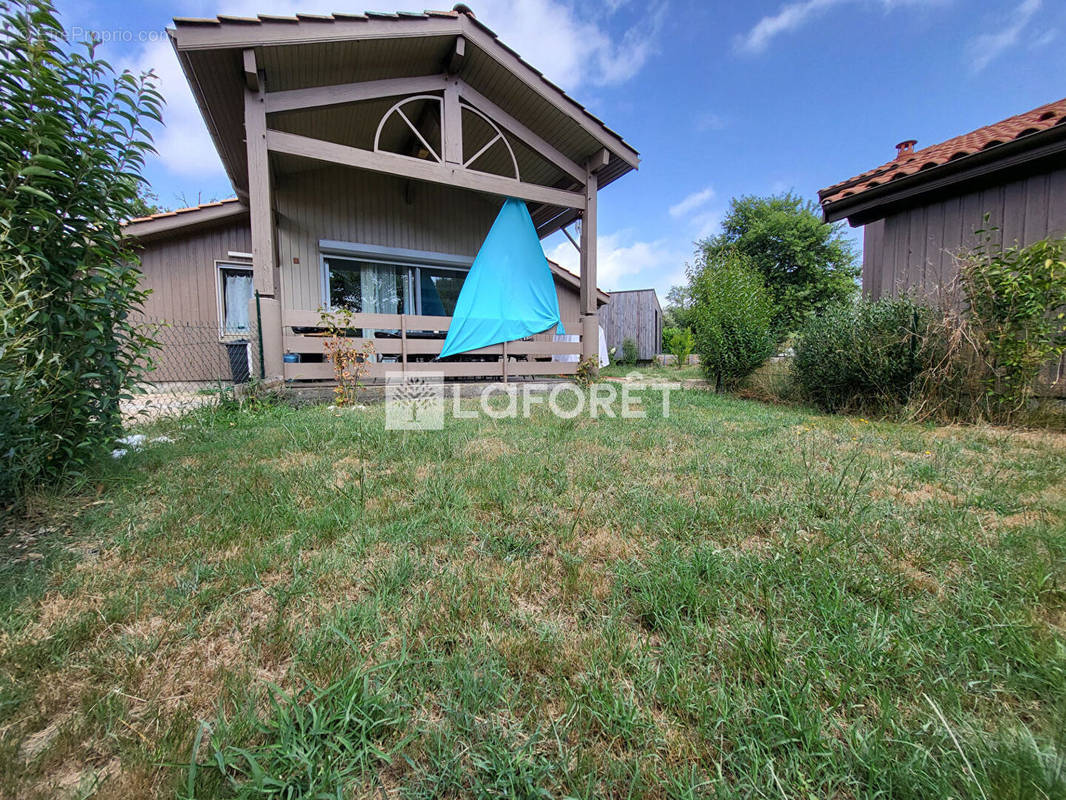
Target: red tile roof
[1016,127]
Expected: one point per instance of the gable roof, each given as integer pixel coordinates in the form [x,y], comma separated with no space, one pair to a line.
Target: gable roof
[990,141]
[311,50]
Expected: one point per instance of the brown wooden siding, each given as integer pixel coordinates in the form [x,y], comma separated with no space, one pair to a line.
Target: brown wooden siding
[633,315]
[360,207]
[913,250]
[180,272]
[337,204]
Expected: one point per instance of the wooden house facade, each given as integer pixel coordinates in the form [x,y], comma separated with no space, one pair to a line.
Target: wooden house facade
[370,155]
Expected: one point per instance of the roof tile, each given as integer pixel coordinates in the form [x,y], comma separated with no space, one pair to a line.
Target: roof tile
[999,133]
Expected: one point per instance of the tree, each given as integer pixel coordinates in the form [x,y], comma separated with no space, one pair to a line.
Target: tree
[73,136]
[734,318]
[678,311]
[807,264]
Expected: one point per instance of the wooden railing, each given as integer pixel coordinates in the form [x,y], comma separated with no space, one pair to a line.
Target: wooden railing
[408,353]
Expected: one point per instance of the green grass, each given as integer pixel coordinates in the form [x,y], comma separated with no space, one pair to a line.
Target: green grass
[653,371]
[738,601]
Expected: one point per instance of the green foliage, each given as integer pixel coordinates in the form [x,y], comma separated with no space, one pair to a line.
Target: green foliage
[587,371]
[319,743]
[1016,301]
[680,343]
[629,352]
[678,310]
[865,355]
[807,264]
[734,318]
[72,142]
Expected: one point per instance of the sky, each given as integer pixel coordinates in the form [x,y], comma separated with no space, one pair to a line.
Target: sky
[721,98]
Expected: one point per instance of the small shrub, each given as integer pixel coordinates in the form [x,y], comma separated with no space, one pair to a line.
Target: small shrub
[864,355]
[630,352]
[734,318]
[680,343]
[1016,304]
[350,363]
[587,372]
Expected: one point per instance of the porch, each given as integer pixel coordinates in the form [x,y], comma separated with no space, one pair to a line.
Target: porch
[410,343]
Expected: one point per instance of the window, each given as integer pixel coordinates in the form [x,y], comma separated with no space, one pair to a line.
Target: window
[439,290]
[235,290]
[373,287]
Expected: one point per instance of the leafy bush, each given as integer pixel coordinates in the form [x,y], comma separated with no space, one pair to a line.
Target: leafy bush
[680,343]
[72,142]
[734,318]
[864,354]
[629,352]
[1016,304]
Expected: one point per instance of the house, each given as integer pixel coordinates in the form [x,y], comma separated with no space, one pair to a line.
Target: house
[634,314]
[370,154]
[198,263]
[924,206]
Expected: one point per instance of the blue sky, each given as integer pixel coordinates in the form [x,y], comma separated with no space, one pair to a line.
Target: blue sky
[720,98]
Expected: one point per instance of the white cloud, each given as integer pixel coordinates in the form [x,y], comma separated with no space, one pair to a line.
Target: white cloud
[788,18]
[985,48]
[794,15]
[691,202]
[573,50]
[623,263]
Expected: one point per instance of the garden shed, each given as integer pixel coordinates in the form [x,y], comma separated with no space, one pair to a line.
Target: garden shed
[634,314]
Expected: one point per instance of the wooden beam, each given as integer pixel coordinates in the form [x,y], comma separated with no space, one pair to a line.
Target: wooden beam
[261,213]
[588,246]
[510,61]
[270,32]
[513,126]
[406,167]
[251,72]
[455,61]
[452,124]
[319,96]
[599,160]
[573,241]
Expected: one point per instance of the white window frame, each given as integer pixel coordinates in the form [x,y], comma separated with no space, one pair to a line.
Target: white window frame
[220,265]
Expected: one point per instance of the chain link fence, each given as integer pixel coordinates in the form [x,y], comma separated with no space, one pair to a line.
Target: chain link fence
[194,365]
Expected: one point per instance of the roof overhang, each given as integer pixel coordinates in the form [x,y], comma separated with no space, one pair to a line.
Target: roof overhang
[1011,160]
[185,220]
[308,51]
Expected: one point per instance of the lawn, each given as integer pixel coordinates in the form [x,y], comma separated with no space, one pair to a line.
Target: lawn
[740,600]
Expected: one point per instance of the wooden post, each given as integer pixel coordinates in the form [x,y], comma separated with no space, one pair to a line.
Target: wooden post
[590,345]
[504,357]
[453,124]
[259,194]
[403,344]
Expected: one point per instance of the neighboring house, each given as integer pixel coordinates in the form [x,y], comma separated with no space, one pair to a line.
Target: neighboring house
[198,264]
[634,314]
[370,155]
[924,206]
